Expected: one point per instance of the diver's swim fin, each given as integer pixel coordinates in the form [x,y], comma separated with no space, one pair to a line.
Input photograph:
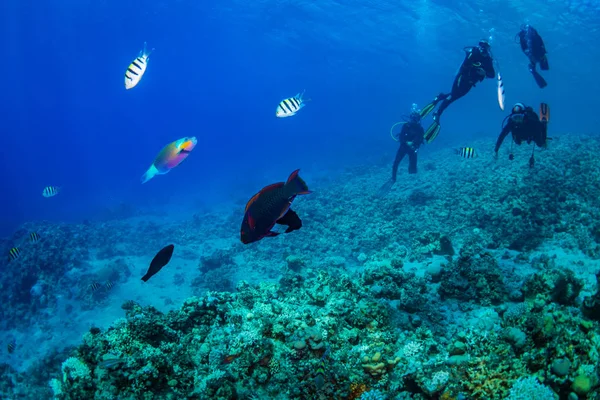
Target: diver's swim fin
[428,108]
[544,64]
[385,189]
[541,82]
[544,112]
[432,132]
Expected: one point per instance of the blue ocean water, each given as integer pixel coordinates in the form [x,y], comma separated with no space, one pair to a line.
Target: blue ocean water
[220,69]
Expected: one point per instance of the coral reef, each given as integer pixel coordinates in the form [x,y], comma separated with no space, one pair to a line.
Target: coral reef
[469,282]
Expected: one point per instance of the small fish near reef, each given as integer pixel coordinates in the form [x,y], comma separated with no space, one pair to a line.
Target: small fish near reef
[50,191]
[466,152]
[169,157]
[34,237]
[230,358]
[290,106]
[14,253]
[321,370]
[161,259]
[137,68]
[111,362]
[271,206]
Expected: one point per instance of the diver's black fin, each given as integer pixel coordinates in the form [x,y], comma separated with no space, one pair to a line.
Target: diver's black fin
[432,132]
[385,189]
[541,82]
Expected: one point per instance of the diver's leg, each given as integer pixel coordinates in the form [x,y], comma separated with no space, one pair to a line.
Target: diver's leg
[460,87]
[544,63]
[399,156]
[429,107]
[412,162]
[541,82]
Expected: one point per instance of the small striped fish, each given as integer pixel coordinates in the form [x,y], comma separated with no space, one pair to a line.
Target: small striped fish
[500,92]
[291,106]
[94,286]
[466,152]
[111,362]
[50,191]
[109,285]
[34,237]
[14,253]
[11,346]
[136,69]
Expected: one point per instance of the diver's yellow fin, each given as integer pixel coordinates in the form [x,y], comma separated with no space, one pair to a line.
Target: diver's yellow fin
[432,132]
[428,109]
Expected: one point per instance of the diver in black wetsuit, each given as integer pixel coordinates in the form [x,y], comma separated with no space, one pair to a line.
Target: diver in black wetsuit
[477,65]
[533,47]
[525,125]
[411,137]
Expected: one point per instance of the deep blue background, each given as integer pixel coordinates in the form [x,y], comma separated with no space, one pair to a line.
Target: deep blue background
[218,72]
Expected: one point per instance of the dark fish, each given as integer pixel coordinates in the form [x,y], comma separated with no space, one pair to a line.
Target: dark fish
[270,206]
[109,285]
[34,237]
[229,359]
[161,259]
[94,286]
[11,346]
[14,253]
[320,372]
[111,362]
[466,152]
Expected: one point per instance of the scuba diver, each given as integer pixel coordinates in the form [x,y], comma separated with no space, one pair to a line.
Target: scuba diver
[524,124]
[533,47]
[411,137]
[477,65]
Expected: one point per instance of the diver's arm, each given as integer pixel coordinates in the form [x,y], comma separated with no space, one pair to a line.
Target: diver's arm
[505,131]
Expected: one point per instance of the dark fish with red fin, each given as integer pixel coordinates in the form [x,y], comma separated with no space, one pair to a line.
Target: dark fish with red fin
[271,206]
[161,259]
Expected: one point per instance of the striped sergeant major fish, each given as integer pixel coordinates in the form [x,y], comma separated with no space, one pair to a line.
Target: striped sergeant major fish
[34,237]
[320,372]
[11,346]
[14,253]
[290,106]
[136,69]
[466,152]
[50,191]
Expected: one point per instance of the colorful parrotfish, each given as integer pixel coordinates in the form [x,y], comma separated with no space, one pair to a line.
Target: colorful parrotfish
[169,157]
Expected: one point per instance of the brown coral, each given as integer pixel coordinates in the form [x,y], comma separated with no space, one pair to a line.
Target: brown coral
[356,390]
